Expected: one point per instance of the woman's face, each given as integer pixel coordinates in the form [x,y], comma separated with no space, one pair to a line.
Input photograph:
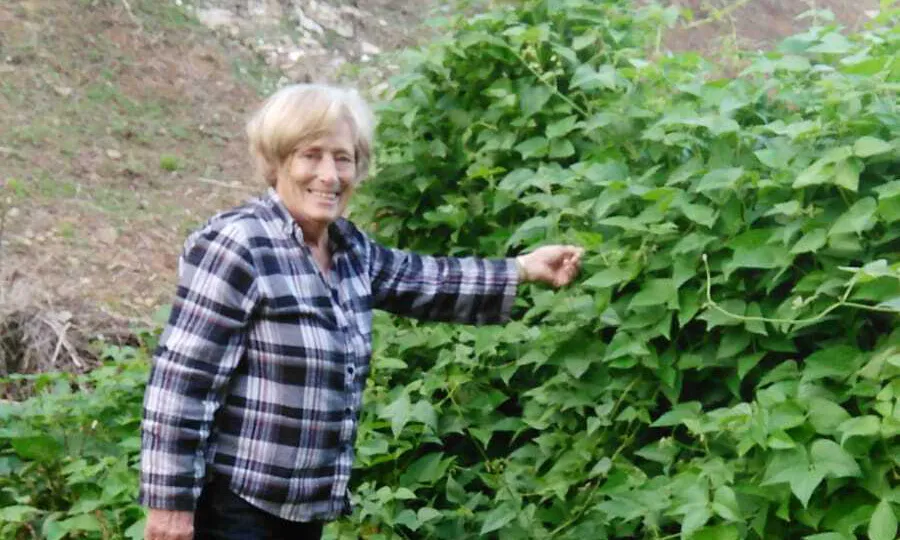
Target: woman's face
[316,181]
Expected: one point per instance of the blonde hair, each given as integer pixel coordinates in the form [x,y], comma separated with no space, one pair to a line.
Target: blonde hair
[306,111]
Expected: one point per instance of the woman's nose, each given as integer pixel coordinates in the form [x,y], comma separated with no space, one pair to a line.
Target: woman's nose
[327,168]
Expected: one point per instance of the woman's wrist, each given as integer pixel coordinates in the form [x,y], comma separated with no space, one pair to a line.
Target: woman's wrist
[522,270]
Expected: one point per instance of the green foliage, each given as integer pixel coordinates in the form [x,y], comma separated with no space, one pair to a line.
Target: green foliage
[69,455]
[169,163]
[729,367]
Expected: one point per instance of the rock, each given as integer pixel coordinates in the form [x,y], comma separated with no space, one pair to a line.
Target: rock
[370,49]
[265,11]
[330,18]
[114,154]
[295,55]
[63,91]
[306,23]
[353,12]
[107,235]
[217,18]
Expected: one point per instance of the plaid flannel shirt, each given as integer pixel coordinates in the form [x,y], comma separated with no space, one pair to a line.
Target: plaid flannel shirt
[260,371]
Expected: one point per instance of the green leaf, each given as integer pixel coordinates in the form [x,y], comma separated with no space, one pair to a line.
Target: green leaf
[858,219]
[679,413]
[764,256]
[398,412]
[793,467]
[607,278]
[562,127]
[408,519]
[825,416]
[829,536]
[720,179]
[136,530]
[389,363]
[746,363]
[427,514]
[699,213]
[426,470]
[534,147]
[871,146]
[83,522]
[719,532]
[846,174]
[883,525]
[533,99]
[732,343]
[862,426]
[810,242]
[893,303]
[803,483]
[832,43]
[424,412]
[832,460]
[818,173]
[655,292]
[17,513]
[715,318]
[498,518]
[755,326]
[583,41]
[836,363]
[561,148]
[43,448]
[725,504]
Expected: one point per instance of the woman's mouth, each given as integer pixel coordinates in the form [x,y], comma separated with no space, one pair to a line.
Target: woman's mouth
[328,196]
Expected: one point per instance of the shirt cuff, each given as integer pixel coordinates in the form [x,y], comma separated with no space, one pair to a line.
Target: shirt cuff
[509,292]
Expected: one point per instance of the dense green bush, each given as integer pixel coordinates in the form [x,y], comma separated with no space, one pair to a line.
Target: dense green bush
[727,368]
[69,455]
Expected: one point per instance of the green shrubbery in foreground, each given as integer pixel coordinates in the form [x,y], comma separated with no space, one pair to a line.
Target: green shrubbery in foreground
[729,367]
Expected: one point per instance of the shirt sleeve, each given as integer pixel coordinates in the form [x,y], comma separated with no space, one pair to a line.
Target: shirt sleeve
[463,290]
[198,351]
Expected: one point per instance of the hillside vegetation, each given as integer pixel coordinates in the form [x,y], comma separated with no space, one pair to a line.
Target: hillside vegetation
[727,368]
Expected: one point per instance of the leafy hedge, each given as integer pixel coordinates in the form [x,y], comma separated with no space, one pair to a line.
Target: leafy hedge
[69,456]
[727,368]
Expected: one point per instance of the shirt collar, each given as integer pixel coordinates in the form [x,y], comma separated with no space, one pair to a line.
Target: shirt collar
[336,238]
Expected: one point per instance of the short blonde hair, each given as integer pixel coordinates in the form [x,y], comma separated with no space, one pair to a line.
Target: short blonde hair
[307,111]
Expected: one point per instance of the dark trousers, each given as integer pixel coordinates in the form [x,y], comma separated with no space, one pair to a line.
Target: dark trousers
[222,515]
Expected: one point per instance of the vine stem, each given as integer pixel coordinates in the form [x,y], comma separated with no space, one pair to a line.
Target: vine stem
[842,302]
[552,87]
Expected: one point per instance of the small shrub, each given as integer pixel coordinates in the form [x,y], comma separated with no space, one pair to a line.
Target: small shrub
[169,163]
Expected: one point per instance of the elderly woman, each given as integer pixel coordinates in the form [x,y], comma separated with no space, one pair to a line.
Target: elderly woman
[253,401]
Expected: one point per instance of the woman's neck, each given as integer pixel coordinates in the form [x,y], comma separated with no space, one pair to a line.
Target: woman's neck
[315,235]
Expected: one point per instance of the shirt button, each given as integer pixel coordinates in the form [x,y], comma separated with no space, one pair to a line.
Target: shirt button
[350,370]
[348,411]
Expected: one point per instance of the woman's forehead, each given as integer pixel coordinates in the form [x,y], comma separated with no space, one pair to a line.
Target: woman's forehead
[338,137]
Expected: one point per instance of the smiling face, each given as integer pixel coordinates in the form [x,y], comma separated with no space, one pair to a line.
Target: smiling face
[316,180]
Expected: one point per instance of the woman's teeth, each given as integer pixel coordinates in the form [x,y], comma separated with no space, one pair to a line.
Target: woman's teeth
[325,195]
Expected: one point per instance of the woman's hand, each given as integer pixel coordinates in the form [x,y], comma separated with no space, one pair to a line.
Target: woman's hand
[556,266]
[169,525]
